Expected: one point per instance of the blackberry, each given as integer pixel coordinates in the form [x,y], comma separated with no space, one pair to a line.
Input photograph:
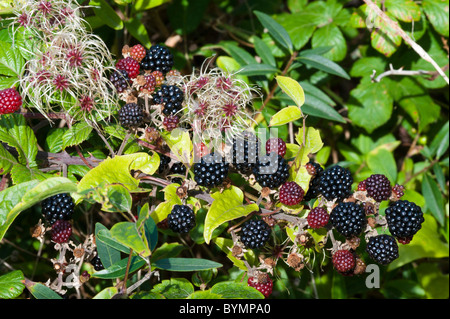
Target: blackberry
[271,170]
[180,169]
[97,263]
[349,219]
[170,122]
[61,231]
[316,171]
[211,171]
[181,219]
[120,80]
[291,193]
[255,233]
[335,183]
[263,283]
[149,83]
[378,187]
[171,97]
[131,115]
[382,248]
[276,145]
[163,163]
[344,261]
[318,217]
[10,101]
[157,58]
[404,218]
[58,207]
[245,153]
[138,52]
[130,65]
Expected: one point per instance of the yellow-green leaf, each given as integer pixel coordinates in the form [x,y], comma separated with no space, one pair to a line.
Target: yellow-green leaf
[286,115]
[292,88]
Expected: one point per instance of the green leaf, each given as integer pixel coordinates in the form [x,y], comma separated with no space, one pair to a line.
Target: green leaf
[127,234]
[292,88]
[236,290]
[384,39]
[318,108]
[104,235]
[300,26]
[433,281]
[40,291]
[437,13]
[11,61]
[11,284]
[138,30]
[185,16]
[226,246]
[286,115]
[106,293]
[163,209]
[440,143]
[143,5]
[180,144]
[117,171]
[174,288]
[278,33]
[425,244]
[403,10]
[185,264]
[107,254]
[263,51]
[203,294]
[241,56]
[118,270]
[15,132]
[434,199]
[76,134]
[258,69]
[167,250]
[107,14]
[228,64]
[330,35]
[321,63]
[370,105]
[227,205]
[381,161]
[7,161]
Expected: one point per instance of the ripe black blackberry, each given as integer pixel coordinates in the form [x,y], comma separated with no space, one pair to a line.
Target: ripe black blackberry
[349,219]
[157,58]
[61,231]
[404,218]
[171,97]
[255,233]
[335,183]
[291,193]
[271,170]
[315,170]
[163,163]
[97,263]
[120,80]
[245,153]
[211,171]
[178,168]
[181,219]
[378,187]
[131,115]
[382,248]
[58,207]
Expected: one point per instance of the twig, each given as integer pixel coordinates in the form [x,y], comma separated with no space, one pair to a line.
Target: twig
[124,142]
[400,71]
[111,151]
[399,31]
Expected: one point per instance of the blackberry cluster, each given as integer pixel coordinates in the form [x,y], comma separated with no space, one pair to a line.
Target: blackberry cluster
[157,58]
[318,217]
[316,171]
[255,233]
[378,187]
[211,171]
[291,193]
[383,249]
[245,153]
[131,115]
[271,171]
[349,219]
[335,183]
[61,231]
[344,261]
[171,97]
[58,207]
[404,218]
[120,80]
[181,219]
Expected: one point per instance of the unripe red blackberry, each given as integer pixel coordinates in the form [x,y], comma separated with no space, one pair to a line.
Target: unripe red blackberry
[131,115]
[344,261]
[318,217]
[378,187]
[138,52]
[181,219]
[382,248]
[61,231]
[263,283]
[276,145]
[349,219]
[291,193]
[170,122]
[255,233]
[10,101]
[130,65]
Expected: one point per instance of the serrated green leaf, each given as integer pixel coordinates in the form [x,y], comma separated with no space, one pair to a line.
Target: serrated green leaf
[185,264]
[174,288]
[11,61]
[437,12]
[330,35]
[204,294]
[227,205]
[403,10]
[381,161]
[236,290]
[138,30]
[6,160]
[300,26]
[285,115]
[76,134]
[383,38]
[11,284]
[277,31]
